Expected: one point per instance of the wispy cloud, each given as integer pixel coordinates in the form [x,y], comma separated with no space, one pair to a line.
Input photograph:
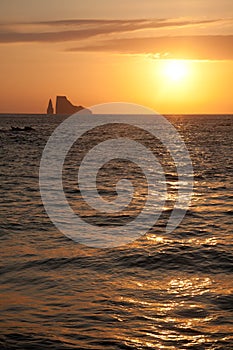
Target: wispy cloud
[212,47]
[80,29]
[133,36]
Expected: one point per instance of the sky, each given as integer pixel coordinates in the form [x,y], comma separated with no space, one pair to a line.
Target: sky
[174,56]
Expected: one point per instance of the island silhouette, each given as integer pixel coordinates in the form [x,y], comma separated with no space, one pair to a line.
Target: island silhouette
[64,106]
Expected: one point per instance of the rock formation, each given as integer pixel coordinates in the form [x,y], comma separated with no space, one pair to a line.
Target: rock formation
[64,106]
[50,109]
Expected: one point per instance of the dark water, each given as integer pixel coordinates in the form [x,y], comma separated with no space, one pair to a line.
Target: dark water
[163,291]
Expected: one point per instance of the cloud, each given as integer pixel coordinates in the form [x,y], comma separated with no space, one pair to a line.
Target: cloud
[124,36]
[202,47]
[81,29]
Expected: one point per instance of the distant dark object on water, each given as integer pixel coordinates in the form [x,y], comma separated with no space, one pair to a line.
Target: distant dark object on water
[65,107]
[50,109]
[26,128]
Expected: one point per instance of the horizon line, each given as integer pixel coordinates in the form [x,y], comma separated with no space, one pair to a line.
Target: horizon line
[166,114]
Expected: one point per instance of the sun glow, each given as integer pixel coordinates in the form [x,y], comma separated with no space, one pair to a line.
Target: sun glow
[176,84]
[175,70]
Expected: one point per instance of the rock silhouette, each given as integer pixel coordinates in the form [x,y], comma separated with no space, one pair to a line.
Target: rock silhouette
[64,106]
[50,109]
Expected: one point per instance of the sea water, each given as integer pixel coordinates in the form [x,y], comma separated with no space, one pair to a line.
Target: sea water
[162,291]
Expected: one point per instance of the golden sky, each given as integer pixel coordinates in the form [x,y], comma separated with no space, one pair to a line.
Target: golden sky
[175,56]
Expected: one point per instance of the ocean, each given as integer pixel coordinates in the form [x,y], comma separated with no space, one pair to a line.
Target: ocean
[164,290]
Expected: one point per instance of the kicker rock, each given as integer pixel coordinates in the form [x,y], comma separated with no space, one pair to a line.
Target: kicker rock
[64,106]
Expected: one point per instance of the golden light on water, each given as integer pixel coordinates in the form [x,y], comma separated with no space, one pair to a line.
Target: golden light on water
[180,311]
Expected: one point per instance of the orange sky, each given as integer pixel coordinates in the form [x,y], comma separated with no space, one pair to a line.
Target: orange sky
[120,51]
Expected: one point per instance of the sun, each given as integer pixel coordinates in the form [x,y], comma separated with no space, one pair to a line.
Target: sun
[175,70]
